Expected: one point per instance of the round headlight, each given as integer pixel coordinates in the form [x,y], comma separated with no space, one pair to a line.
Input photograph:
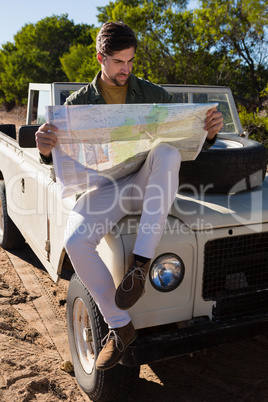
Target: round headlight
[167,272]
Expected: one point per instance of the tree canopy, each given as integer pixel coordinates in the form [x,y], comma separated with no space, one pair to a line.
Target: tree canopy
[35,55]
[222,42]
[238,29]
[219,43]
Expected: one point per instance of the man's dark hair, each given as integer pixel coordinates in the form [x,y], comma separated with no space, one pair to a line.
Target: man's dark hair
[114,37]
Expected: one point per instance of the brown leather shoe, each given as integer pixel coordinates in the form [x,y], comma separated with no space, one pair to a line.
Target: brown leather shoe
[132,286]
[114,345]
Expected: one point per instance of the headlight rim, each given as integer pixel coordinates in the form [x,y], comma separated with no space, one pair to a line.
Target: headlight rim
[163,290]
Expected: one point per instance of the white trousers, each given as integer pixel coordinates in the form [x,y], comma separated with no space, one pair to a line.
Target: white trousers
[151,192]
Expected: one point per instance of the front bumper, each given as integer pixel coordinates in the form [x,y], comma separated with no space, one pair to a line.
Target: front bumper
[160,345]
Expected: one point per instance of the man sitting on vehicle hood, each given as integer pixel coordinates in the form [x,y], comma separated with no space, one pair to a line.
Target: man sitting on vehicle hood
[149,191]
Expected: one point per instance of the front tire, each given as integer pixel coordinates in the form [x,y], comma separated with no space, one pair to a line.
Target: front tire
[86,329]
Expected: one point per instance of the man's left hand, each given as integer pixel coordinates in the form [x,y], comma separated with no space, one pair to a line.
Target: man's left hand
[214,123]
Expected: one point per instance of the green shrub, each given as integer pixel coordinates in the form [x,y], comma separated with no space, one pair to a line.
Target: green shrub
[256,124]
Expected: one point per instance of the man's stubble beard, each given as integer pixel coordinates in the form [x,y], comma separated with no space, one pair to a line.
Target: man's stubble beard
[118,83]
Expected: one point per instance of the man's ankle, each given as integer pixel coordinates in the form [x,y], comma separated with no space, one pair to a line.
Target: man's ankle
[141,259]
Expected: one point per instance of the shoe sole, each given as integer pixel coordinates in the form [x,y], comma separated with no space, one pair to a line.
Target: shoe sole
[129,342]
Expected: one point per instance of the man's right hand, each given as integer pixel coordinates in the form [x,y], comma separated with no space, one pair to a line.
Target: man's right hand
[46,139]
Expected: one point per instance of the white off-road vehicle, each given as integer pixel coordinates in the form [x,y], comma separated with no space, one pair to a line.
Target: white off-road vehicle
[208,280]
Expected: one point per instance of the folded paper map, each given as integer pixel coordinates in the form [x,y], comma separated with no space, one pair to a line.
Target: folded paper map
[114,140]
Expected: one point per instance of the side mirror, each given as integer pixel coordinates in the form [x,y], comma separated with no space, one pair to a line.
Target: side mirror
[26,137]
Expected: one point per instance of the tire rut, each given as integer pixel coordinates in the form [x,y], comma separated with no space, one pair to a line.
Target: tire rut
[33,335]
[48,313]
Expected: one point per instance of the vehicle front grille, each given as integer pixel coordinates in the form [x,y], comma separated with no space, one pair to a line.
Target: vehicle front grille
[236,275]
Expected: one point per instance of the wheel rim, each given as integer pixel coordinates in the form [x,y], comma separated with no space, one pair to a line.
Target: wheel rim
[83,336]
[1,219]
[222,143]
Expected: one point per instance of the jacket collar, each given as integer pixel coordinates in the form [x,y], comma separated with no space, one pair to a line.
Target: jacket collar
[95,94]
[133,86]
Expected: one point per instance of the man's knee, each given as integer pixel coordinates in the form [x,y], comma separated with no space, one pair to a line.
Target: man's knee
[168,155]
[72,242]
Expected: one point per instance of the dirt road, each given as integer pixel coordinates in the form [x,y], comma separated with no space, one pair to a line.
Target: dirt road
[33,345]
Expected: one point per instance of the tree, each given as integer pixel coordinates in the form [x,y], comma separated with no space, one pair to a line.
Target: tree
[223,42]
[238,28]
[147,19]
[80,62]
[168,42]
[35,55]
[151,22]
[18,71]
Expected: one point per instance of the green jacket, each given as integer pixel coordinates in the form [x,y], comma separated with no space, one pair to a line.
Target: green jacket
[139,91]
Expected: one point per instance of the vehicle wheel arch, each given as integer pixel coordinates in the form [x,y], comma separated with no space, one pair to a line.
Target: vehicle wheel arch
[10,235]
[65,264]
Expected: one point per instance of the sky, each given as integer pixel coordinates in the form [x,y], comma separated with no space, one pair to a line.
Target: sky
[16,13]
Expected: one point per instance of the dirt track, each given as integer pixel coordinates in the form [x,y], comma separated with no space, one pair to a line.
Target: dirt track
[16,116]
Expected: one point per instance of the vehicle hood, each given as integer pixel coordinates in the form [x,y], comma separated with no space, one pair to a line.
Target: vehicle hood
[201,212]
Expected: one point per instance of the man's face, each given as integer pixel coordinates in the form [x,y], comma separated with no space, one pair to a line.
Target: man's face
[116,69]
